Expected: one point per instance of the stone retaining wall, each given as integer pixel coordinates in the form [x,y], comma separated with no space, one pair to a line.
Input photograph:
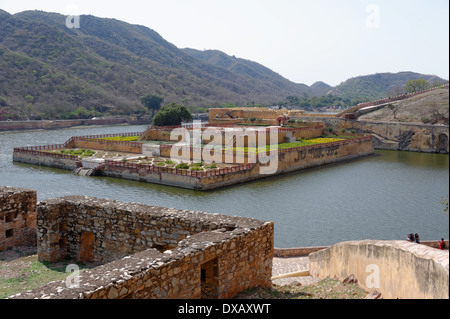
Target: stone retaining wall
[45,159]
[412,137]
[153,252]
[17,217]
[288,160]
[396,269]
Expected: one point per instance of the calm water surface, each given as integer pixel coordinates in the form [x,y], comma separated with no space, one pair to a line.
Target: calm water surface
[385,196]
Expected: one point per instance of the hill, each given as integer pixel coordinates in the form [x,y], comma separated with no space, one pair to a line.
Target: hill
[48,70]
[247,68]
[380,85]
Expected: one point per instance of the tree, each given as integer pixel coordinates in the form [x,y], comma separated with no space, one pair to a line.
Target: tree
[171,115]
[396,91]
[416,86]
[152,102]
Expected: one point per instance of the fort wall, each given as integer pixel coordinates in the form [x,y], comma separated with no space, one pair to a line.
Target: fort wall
[17,217]
[396,269]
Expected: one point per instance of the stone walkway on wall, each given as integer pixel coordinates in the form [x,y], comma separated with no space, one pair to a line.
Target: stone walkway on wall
[290,265]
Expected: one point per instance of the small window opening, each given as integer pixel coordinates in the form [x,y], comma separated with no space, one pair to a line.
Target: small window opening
[9,233]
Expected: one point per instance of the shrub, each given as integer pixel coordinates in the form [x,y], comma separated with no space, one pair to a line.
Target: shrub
[182,166]
[196,165]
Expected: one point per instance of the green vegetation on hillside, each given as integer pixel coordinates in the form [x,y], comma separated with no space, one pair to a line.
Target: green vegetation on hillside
[314,103]
[381,85]
[49,71]
[106,67]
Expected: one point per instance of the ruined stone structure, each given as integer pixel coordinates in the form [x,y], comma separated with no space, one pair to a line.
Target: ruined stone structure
[152,252]
[17,217]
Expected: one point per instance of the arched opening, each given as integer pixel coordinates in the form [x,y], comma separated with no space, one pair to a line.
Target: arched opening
[281,120]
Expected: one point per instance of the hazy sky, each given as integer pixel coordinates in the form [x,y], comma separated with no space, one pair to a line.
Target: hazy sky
[304,41]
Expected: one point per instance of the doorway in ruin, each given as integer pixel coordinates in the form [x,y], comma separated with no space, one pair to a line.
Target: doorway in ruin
[442,144]
[210,279]
[86,252]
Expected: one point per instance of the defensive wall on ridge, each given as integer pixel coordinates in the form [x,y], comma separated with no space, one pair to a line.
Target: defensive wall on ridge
[396,269]
[151,252]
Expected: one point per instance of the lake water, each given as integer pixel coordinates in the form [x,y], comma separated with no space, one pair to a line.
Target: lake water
[385,196]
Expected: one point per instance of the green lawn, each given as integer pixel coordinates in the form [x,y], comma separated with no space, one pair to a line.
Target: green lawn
[283,146]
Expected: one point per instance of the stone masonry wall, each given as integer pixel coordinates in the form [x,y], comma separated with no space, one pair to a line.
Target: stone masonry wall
[43,160]
[153,252]
[108,146]
[17,217]
[287,161]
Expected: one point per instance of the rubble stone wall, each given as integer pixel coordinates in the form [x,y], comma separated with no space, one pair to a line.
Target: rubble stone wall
[17,217]
[152,252]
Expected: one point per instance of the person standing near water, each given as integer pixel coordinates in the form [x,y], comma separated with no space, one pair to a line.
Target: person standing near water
[417,239]
[442,244]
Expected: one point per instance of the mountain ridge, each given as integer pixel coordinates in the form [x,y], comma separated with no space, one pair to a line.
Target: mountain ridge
[50,71]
